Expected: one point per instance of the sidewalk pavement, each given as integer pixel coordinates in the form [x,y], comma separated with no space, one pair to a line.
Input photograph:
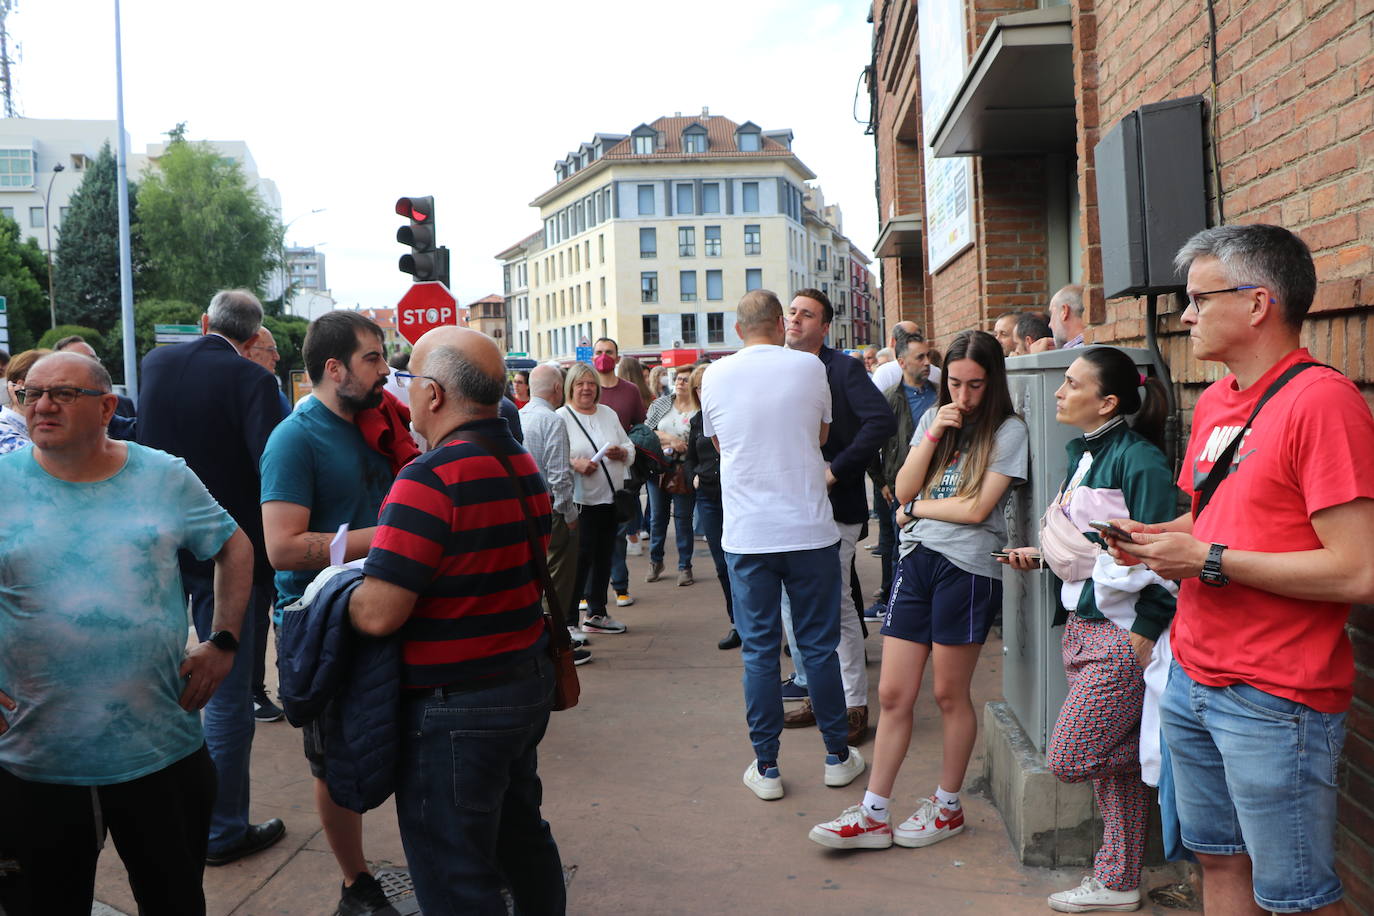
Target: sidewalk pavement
[642,789]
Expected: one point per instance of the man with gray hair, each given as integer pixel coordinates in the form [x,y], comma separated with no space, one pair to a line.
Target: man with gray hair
[1270,557]
[203,401]
[100,729]
[474,643]
[768,409]
[546,439]
[1066,317]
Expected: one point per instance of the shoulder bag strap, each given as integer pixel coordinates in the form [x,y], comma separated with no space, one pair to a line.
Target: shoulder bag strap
[538,559]
[595,448]
[1222,467]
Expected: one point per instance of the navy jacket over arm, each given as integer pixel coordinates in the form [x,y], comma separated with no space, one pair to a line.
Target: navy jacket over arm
[861,422]
[203,402]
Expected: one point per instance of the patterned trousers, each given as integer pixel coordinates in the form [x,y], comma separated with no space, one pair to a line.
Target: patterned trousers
[1097,737]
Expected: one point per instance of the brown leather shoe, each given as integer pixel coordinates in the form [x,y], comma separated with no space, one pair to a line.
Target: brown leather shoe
[801,717]
[858,724]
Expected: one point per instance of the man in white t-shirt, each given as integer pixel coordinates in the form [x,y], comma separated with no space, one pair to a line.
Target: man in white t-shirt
[768,410]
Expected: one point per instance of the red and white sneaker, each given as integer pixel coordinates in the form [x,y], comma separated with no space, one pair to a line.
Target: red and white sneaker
[930,824]
[853,829]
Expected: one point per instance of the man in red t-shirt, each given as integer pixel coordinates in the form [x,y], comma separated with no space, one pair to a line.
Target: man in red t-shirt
[1254,714]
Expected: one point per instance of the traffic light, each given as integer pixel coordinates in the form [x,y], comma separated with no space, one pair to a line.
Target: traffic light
[426,260]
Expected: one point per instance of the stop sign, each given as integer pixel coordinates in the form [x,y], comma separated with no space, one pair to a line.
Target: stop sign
[425,306]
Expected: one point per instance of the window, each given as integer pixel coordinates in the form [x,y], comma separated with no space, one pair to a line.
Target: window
[7,212]
[16,168]
[644,145]
[36,217]
[712,241]
[749,142]
[710,198]
[750,196]
[62,218]
[603,295]
[689,329]
[648,242]
[751,240]
[686,242]
[687,286]
[715,328]
[650,329]
[600,250]
[753,278]
[713,285]
[646,200]
[648,286]
[694,143]
[685,203]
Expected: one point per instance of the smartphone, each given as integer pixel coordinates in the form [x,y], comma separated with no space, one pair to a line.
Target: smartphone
[1110,530]
[1003,555]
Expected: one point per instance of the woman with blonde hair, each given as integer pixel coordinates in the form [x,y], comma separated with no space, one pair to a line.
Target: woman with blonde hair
[14,432]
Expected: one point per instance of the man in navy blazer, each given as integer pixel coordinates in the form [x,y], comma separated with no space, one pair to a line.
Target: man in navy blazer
[861,422]
[206,403]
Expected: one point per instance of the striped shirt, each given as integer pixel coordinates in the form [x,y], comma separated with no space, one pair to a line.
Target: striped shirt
[452,530]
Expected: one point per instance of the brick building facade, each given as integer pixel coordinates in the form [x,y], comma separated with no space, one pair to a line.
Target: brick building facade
[1290,132]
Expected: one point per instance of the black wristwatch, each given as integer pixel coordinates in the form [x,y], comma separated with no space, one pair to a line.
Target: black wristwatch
[1211,570]
[224,641]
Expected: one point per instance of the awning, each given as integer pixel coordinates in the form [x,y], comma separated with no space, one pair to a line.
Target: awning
[899,238]
[1017,97]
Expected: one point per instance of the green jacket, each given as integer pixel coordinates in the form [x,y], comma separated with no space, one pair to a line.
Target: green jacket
[1127,469]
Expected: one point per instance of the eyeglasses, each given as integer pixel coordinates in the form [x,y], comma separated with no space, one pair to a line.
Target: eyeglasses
[268,349]
[62,394]
[410,375]
[1193,300]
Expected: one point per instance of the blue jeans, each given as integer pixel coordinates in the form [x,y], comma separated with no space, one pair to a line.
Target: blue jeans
[228,717]
[712,517]
[681,505]
[812,580]
[620,571]
[1256,773]
[468,796]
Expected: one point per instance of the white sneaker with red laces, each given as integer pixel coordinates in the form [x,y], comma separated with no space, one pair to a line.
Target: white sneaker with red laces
[930,824]
[853,829]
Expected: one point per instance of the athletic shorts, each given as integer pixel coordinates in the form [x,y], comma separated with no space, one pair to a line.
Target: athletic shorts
[934,601]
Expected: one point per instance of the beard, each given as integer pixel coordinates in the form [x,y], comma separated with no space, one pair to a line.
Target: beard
[355,398]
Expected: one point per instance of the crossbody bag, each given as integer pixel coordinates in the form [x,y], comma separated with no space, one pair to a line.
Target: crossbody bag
[624,501]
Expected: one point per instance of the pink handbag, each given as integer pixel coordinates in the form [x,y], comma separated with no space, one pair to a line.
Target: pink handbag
[1066,551]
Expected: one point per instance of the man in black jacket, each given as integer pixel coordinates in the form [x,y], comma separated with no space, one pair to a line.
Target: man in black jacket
[204,402]
[861,423]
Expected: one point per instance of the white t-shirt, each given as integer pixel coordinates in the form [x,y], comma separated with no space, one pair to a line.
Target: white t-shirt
[604,429]
[766,405]
[890,373]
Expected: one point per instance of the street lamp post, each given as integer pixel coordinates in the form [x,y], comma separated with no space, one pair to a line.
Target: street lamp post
[47,228]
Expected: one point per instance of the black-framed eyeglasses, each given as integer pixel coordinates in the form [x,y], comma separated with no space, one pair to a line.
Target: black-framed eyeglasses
[1192,300]
[410,375]
[60,394]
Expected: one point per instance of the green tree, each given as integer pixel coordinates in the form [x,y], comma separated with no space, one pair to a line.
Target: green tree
[90,335]
[203,228]
[86,258]
[289,333]
[147,314]
[24,284]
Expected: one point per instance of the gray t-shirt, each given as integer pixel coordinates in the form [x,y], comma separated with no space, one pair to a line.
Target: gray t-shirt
[968,546]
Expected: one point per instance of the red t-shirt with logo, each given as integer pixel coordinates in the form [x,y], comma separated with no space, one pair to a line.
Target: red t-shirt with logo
[1310,448]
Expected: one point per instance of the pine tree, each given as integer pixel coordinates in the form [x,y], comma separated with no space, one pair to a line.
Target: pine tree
[86,257]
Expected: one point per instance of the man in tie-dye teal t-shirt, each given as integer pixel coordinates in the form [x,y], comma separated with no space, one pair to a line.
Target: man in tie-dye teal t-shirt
[99,696]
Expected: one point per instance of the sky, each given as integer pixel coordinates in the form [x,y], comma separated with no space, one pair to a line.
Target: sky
[348,106]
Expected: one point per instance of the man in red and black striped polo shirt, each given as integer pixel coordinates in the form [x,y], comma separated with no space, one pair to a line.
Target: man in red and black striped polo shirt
[450,569]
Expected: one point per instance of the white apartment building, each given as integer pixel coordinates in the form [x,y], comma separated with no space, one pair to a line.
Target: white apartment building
[652,237]
[515,286]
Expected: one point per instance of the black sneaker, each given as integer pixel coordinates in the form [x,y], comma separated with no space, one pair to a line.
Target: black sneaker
[264,710]
[581,656]
[363,897]
[731,640]
[257,838]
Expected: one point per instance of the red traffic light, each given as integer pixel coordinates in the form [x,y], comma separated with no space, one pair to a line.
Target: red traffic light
[419,209]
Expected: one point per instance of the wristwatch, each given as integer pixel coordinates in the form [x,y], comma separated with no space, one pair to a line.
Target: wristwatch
[224,641]
[1211,570]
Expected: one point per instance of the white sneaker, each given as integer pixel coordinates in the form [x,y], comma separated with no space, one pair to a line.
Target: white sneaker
[1091,895]
[579,639]
[928,825]
[582,605]
[767,786]
[842,774]
[601,623]
[624,599]
[633,548]
[853,829]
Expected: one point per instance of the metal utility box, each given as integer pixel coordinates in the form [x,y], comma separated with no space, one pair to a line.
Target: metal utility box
[1151,195]
[1033,671]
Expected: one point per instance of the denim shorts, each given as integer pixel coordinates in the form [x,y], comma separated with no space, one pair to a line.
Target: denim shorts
[934,601]
[1256,773]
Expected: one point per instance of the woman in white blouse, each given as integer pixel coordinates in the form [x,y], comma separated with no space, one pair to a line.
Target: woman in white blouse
[671,417]
[598,450]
